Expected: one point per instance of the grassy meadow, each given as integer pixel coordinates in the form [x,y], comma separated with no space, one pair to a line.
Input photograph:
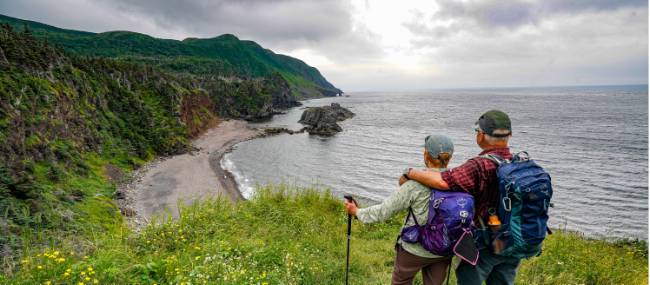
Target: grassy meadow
[286,235]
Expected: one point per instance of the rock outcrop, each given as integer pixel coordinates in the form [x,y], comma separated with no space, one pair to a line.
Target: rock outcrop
[323,120]
[276,131]
[281,96]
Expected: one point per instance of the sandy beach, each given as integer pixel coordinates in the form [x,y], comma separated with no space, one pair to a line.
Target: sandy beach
[158,187]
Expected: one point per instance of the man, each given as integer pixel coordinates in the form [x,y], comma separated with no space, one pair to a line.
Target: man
[478,177]
[412,257]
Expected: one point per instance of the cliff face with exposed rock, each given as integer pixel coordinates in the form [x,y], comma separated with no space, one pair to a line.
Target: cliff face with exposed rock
[323,120]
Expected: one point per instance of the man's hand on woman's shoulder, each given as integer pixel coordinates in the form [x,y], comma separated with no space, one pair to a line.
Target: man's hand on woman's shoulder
[402,180]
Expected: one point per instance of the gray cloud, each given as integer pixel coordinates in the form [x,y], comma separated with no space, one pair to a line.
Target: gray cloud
[547,43]
[495,13]
[270,21]
[515,13]
[324,26]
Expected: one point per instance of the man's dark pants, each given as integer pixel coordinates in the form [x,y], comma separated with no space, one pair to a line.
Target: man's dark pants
[491,268]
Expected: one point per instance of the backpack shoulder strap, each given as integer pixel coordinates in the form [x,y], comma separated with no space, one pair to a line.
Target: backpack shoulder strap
[410,214]
[498,160]
[432,207]
[521,156]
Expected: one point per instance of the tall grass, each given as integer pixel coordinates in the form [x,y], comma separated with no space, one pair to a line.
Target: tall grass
[286,235]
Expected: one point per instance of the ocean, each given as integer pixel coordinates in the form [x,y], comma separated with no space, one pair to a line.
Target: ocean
[592,140]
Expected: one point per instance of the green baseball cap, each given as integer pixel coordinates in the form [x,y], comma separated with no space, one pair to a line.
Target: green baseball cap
[494,123]
[437,144]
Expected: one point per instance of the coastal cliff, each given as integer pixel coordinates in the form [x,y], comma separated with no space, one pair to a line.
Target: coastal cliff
[73,126]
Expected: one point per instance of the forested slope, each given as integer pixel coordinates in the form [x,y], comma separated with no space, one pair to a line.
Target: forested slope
[71,125]
[224,55]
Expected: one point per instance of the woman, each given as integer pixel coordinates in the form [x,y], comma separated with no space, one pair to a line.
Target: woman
[412,257]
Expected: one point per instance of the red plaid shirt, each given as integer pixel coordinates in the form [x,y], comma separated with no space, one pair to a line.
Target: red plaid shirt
[478,177]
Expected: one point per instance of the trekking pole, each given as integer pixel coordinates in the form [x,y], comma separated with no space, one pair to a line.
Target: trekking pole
[347,257]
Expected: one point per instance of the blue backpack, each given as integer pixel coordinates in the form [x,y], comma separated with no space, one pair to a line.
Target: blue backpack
[450,216]
[525,193]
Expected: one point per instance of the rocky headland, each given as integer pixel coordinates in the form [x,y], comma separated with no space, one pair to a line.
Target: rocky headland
[323,120]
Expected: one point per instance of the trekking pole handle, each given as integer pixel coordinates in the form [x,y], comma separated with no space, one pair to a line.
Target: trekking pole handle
[351,199]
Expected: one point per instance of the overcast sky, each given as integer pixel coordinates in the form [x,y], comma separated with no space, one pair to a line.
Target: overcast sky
[398,45]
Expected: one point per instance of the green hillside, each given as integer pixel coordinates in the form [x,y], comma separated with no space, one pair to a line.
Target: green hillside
[71,126]
[224,55]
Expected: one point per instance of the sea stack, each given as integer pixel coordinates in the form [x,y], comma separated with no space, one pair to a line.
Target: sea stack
[323,120]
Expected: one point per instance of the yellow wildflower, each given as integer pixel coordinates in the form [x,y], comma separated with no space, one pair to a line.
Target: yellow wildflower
[60,260]
[55,253]
[66,274]
[87,278]
[39,267]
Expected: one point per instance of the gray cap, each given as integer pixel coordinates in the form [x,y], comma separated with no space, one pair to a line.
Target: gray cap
[436,144]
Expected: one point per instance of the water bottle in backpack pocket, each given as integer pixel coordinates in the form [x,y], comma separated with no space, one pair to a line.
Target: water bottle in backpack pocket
[525,193]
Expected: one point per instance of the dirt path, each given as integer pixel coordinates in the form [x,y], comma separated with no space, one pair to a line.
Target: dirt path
[158,187]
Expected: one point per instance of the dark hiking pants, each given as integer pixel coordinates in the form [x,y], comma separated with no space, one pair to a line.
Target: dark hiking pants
[491,268]
[434,270]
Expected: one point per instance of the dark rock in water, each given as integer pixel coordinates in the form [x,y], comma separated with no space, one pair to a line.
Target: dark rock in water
[322,120]
[276,131]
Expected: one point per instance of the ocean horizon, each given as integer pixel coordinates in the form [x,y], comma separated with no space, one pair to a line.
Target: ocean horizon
[505,88]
